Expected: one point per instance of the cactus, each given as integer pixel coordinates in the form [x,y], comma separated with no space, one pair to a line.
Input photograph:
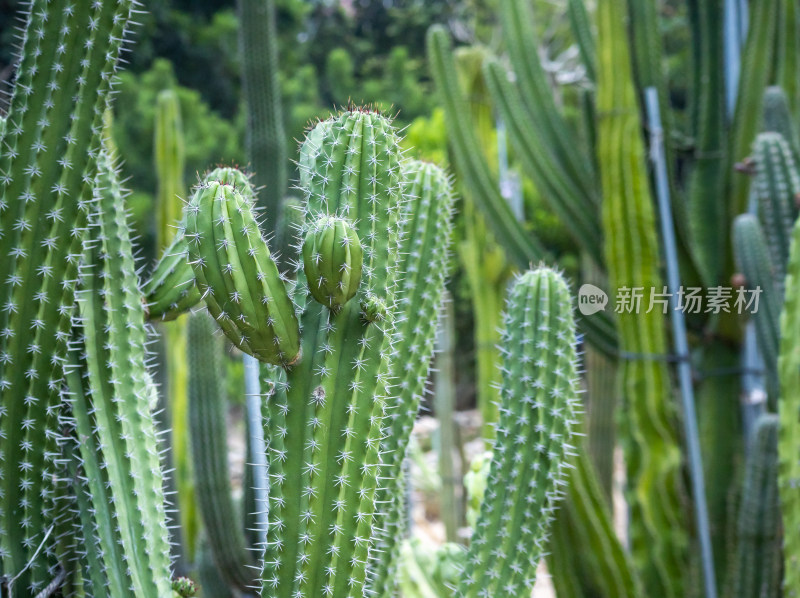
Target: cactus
[707,205]
[170,162]
[658,537]
[171,290]
[521,248]
[49,158]
[237,276]
[789,413]
[756,568]
[266,139]
[753,260]
[537,413]
[778,119]
[324,423]
[539,133]
[116,433]
[208,431]
[602,567]
[777,187]
[424,262]
[332,261]
[757,56]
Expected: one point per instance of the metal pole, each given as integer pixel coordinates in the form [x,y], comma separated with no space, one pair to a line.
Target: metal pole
[681,344]
[258,456]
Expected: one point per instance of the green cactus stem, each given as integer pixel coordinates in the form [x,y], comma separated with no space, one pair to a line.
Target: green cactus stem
[112,397]
[753,260]
[171,290]
[332,261]
[424,262]
[266,138]
[789,413]
[651,445]
[777,187]
[68,55]
[538,410]
[208,432]
[755,569]
[324,424]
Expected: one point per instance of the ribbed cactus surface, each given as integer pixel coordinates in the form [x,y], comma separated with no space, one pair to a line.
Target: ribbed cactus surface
[332,261]
[325,422]
[756,568]
[427,229]
[68,54]
[209,449]
[789,413]
[753,259]
[112,398]
[538,410]
[237,276]
[658,536]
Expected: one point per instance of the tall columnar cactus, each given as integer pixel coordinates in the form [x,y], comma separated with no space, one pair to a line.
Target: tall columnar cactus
[424,262]
[789,413]
[756,568]
[112,397]
[652,451]
[170,163]
[49,159]
[208,431]
[777,187]
[538,411]
[602,567]
[266,138]
[324,430]
[753,259]
[521,247]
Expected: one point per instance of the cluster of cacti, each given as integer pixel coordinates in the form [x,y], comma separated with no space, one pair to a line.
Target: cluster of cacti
[707,194]
[48,162]
[345,341]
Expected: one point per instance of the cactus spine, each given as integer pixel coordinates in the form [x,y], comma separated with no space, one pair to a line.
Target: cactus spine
[69,53]
[538,410]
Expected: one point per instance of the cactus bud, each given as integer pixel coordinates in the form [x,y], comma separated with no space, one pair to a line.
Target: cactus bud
[373,309]
[332,260]
[184,587]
